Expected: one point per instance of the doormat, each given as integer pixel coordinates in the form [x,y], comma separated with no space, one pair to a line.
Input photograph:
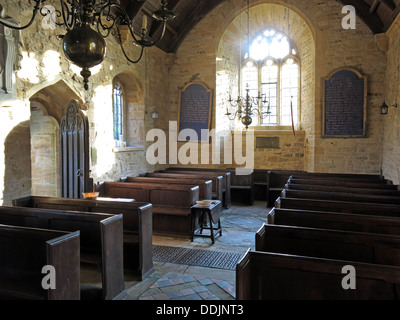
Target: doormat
[196,257]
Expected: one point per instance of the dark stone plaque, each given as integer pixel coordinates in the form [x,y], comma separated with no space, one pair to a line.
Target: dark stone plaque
[194,110]
[344,105]
[267,142]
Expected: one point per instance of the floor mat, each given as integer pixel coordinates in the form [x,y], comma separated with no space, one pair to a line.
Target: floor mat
[196,257]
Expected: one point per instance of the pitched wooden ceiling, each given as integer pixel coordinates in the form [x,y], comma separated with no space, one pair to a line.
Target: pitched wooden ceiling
[377,14]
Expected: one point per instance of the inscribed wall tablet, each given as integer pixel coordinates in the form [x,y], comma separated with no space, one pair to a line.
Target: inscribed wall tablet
[194,111]
[344,105]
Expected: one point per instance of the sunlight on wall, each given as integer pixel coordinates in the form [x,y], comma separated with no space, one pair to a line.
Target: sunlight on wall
[29,68]
[11,117]
[77,70]
[51,64]
[102,101]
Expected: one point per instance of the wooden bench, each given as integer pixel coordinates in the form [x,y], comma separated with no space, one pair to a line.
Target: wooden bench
[276,180]
[260,177]
[217,181]
[208,173]
[25,251]
[171,203]
[368,178]
[205,186]
[242,187]
[339,206]
[347,184]
[329,244]
[100,242]
[329,188]
[340,196]
[137,225]
[335,220]
[265,275]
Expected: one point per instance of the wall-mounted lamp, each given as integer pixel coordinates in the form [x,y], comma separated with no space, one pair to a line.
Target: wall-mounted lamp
[385,108]
[154,113]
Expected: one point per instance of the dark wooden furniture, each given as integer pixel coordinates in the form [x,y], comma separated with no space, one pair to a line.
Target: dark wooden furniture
[341,183]
[339,196]
[137,224]
[242,187]
[260,184]
[345,189]
[265,275]
[329,244]
[171,203]
[339,206]
[206,217]
[208,173]
[205,186]
[25,251]
[100,241]
[276,180]
[217,181]
[335,220]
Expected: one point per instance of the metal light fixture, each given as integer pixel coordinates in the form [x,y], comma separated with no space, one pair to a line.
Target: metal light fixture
[247,107]
[154,113]
[85,46]
[385,108]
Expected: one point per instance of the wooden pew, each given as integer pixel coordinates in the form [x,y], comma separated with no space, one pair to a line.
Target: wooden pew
[335,220]
[347,184]
[171,203]
[329,244]
[137,225]
[340,196]
[100,241]
[328,188]
[265,275]
[205,186]
[242,187]
[339,206]
[25,251]
[208,173]
[276,180]
[368,178]
[260,184]
[217,181]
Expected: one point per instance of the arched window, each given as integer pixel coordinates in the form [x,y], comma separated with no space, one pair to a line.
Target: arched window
[272,68]
[118,108]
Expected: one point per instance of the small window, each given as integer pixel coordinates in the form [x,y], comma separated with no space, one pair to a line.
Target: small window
[118,107]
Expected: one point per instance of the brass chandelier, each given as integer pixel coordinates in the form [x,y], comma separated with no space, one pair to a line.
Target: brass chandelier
[88,22]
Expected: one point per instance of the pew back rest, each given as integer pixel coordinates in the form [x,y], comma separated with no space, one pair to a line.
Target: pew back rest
[167,195]
[25,251]
[265,275]
[330,244]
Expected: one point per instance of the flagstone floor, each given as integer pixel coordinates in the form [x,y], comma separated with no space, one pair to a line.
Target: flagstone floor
[172,281]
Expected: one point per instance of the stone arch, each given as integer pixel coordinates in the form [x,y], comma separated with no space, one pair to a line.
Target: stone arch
[282,17]
[48,105]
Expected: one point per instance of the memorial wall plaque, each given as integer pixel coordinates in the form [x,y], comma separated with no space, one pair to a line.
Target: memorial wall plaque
[195,102]
[344,105]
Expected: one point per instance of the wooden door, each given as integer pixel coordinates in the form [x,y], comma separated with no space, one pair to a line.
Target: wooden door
[74,152]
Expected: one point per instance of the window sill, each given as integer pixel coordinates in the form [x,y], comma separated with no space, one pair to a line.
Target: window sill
[128,149]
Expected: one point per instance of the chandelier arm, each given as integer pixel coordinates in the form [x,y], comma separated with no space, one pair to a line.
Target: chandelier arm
[153,43]
[70,14]
[124,52]
[14,26]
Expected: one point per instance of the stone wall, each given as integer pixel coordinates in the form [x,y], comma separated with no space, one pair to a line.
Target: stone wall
[324,46]
[391,140]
